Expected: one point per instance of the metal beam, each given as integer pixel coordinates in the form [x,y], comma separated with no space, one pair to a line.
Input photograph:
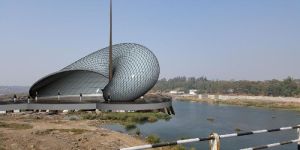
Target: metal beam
[110,42]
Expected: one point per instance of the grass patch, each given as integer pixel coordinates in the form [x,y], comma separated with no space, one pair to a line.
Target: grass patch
[1,141]
[177,147]
[89,116]
[152,119]
[128,119]
[152,139]
[15,126]
[74,131]
[129,126]
[138,132]
[2,148]
[132,117]
[49,131]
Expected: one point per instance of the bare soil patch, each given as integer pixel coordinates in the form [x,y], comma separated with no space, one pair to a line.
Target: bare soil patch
[48,132]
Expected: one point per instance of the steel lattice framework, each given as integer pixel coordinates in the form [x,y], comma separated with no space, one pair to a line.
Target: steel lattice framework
[135,72]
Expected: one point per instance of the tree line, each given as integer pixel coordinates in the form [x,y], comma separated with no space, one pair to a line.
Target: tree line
[288,87]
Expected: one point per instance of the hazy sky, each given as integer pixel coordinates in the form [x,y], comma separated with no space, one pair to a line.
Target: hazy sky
[220,39]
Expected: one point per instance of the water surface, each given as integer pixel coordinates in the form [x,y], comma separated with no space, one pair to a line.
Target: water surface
[199,120]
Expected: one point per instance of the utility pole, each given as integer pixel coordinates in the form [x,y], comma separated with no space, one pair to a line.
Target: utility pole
[110,42]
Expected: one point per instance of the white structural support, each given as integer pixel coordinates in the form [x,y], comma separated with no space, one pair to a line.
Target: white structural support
[2,112]
[138,147]
[16,111]
[214,143]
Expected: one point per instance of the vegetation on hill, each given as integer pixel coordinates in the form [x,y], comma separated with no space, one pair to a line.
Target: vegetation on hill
[288,87]
[4,90]
[129,119]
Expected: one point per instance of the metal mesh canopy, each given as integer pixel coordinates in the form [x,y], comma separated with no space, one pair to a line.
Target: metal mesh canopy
[135,72]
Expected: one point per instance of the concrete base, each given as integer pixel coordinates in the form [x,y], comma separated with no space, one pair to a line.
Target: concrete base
[102,106]
[16,111]
[65,111]
[2,112]
[120,111]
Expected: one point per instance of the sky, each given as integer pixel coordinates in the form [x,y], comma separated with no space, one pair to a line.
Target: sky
[222,40]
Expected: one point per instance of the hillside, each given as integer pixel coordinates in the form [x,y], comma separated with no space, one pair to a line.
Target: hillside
[4,90]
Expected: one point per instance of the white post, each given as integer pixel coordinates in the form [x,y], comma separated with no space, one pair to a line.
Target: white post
[28,100]
[166,110]
[15,99]
[58,95]
[80,97]
[2,112]
[36,96]
[214,144]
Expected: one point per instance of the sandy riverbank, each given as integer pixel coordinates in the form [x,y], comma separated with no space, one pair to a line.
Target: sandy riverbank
[42,132]
[249,103]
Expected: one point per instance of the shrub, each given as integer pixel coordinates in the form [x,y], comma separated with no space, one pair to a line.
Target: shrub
[138,132]
[152,119]
[152,139]
[15,126]
[179,147]
[129,126]
[89,116]
[73,117]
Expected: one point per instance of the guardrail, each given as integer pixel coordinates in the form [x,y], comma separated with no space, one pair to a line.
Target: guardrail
[214,140]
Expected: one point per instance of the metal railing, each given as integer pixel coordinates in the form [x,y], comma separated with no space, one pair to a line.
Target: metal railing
[214,140]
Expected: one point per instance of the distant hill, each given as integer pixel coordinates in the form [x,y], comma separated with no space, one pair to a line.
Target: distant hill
[4,90]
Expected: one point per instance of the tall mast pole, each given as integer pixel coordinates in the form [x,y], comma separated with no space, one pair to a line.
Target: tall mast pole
[110,42]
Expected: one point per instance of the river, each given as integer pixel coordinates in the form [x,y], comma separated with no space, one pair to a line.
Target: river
[194,120]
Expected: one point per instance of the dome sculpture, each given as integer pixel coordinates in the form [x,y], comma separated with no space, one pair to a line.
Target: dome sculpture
[135,71]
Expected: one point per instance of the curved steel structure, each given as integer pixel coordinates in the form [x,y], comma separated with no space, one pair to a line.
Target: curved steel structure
[135,72]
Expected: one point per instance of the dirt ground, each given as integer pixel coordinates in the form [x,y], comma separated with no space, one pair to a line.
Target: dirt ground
[39,131]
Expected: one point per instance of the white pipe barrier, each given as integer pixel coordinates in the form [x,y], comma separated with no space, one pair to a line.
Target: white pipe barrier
[273,145]
[212,138]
